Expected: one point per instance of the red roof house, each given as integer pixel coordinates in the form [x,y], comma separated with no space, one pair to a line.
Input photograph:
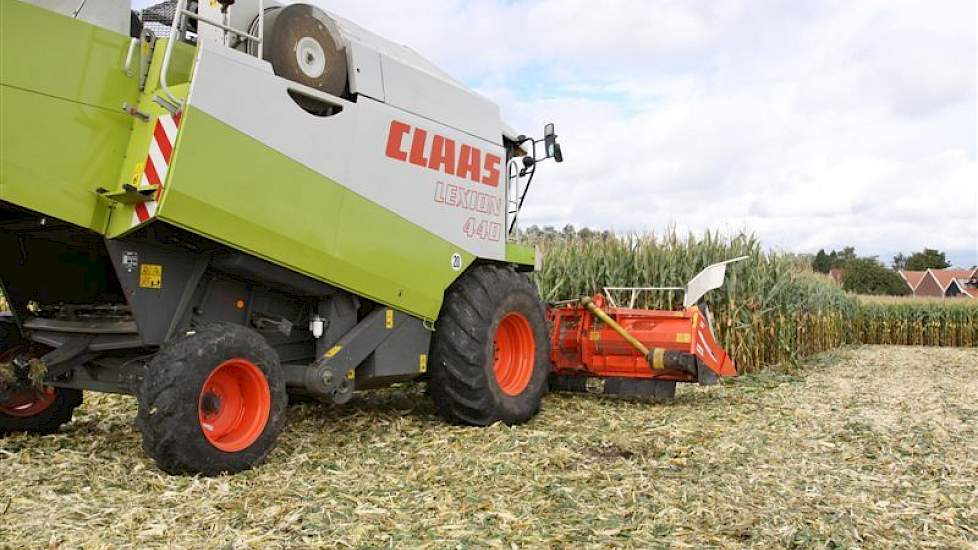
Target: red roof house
[942,283]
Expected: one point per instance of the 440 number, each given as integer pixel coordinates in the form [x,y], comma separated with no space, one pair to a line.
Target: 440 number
[483,229]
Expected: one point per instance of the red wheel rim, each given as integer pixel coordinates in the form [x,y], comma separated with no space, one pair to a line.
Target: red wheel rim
[515,354]
[234,405]
[27,403]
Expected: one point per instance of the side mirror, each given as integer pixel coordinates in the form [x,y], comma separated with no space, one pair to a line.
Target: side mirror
[550,142]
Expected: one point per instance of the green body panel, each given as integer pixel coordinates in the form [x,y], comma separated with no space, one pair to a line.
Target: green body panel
[234,189]
[181,67]
[63,133]
[520,254]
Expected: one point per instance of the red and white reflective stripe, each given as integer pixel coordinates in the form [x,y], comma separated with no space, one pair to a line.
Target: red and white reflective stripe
[157,164]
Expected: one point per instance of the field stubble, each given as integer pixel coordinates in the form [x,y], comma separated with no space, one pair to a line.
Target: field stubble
[871,447]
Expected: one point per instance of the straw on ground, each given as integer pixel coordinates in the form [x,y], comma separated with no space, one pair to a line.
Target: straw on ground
[876,447]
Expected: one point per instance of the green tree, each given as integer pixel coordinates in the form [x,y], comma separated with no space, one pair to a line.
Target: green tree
[846,254]
[900,262]
[822,262]
[869,276]
[926,259]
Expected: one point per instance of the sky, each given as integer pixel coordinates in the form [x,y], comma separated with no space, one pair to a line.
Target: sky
[815,124]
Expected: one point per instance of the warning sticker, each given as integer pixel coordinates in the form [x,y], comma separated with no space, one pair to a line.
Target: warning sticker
[150,276]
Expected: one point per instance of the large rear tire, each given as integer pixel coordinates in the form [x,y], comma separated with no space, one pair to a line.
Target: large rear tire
[31,411]
[490,352]
[212,402]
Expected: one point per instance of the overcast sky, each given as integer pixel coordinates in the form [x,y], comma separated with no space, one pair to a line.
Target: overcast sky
[815,124]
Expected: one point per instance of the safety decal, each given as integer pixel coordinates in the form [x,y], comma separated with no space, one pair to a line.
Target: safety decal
[157,164]
[151,276]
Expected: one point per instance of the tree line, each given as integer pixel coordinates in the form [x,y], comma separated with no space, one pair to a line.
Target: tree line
[868,275]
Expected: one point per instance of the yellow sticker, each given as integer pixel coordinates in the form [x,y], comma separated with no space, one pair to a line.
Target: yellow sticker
[390,319]
[684,337]
[137,173]
[350,375]
[423,363]
[333,351]
[150,276]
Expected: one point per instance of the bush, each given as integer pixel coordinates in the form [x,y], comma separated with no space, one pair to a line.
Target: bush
[868,276]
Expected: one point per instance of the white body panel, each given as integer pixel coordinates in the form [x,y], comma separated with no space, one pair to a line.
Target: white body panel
[389,72]
[353,149]
[109,14]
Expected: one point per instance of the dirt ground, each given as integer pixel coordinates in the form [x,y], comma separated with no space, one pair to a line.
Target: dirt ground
[873,447]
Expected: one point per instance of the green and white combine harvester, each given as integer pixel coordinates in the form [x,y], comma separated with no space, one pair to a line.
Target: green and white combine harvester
[264,201]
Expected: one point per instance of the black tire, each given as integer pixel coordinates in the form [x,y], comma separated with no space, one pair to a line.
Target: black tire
[303,29]
[47,420]
[171,401]
[9,335]
[463,383]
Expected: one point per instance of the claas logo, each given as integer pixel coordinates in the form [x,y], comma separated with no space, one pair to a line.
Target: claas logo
[441,154]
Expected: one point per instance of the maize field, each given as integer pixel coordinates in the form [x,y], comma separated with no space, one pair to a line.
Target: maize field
[772,310]
[950,322]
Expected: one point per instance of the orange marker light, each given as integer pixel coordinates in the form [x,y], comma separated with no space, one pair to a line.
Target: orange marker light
[240,304]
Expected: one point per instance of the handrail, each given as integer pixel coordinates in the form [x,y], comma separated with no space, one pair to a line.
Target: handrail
[177,26]
[174,32]
[635,290]
[221,26]
[512,183]
[133,46]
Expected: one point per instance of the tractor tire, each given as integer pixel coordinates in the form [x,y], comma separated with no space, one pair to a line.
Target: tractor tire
[9,334]
[490,354]
[29,411]
[212,402]
[304,45]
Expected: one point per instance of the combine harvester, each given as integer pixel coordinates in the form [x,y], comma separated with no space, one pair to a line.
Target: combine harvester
[266,201]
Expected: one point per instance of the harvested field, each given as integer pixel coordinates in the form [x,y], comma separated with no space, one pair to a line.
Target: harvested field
[871,447]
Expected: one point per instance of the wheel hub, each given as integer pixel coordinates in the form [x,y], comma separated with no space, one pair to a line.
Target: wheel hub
[27,403]
[234,405]
[514,354]
[311,57]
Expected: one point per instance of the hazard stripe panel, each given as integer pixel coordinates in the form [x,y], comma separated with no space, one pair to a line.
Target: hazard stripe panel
[157,164]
